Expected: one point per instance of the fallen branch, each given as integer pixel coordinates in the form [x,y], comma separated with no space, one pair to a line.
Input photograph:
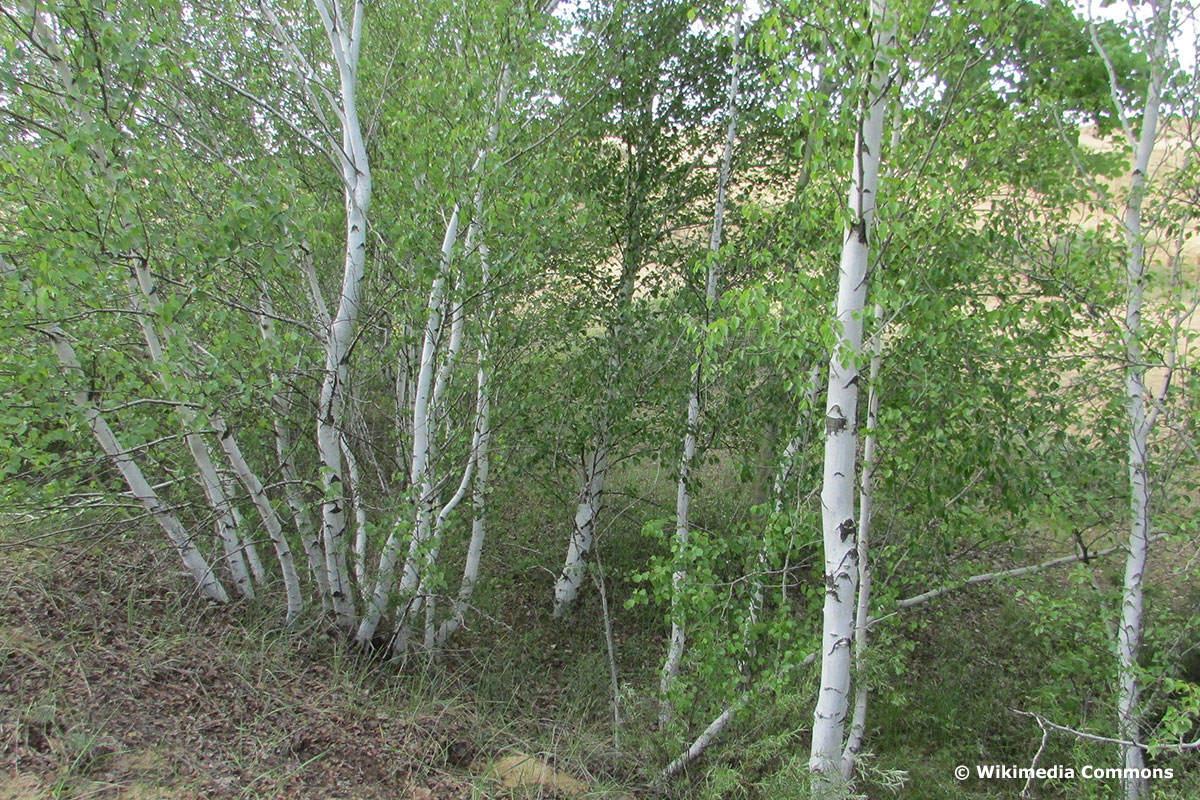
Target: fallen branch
[1092,737]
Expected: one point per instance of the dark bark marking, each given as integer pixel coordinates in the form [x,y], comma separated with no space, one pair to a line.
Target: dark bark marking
[835,421]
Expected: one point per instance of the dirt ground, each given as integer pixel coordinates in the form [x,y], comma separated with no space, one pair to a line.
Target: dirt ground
[112,687]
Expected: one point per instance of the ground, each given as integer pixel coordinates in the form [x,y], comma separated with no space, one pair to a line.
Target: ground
[114,686]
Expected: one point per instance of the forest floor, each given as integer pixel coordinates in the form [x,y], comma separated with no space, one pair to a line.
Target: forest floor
[112,686]
[115,683]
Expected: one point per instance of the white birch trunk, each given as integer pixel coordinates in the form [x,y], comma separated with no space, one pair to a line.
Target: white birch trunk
[237,460]
[421,472]
[1129,633]
[430,386]
[354,484]
[207,581]
[482,435]
[593,472]
[344,42]
[266,512]
[595,463]
[862,616]
[249,547]
[224,523]
[431,557]
[841,436]
[301,518]
[683,498]
[226,528]
[482,440]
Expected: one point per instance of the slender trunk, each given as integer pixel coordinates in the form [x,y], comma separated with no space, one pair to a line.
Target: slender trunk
[425,590]
[250,481]
[301,517]
[207,581]
[482,435]
[482,438]
[683,497]
[225,524]
[232,493]
[73,101]
[344,44]
[862,616]
[354,484]
[421,473]
[1129,633]
[840,531]
[403,413]
[593,473]
[595,462]
[266,512]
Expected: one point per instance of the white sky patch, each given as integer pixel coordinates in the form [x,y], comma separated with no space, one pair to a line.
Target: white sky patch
[1137,16]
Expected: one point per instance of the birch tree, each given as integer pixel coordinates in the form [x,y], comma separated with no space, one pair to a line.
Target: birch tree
[644,121]
[683,498]
[1141,409]
[841,424]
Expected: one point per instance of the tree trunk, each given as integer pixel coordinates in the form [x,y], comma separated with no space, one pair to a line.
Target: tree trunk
[840,531]
[1129,633]
[301,518]
[683,497]
[210,586]
[224,522]
[862,615]
[356,179]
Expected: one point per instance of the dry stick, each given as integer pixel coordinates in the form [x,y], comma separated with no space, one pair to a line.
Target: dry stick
[598,577]
[925,597]
[717,725]
[1036,756]
[1092,737]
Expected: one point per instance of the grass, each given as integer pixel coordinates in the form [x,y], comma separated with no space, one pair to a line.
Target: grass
[118,684]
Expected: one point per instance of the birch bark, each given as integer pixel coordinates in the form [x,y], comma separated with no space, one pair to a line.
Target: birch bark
[862,614]
[345,42]
[840,529]
[1129,632]
[482,435]
[683,498]
[420,474]
[225,524]
[195,562]
[301,518]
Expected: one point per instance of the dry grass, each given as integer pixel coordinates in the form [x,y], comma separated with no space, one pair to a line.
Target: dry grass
[112,687]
